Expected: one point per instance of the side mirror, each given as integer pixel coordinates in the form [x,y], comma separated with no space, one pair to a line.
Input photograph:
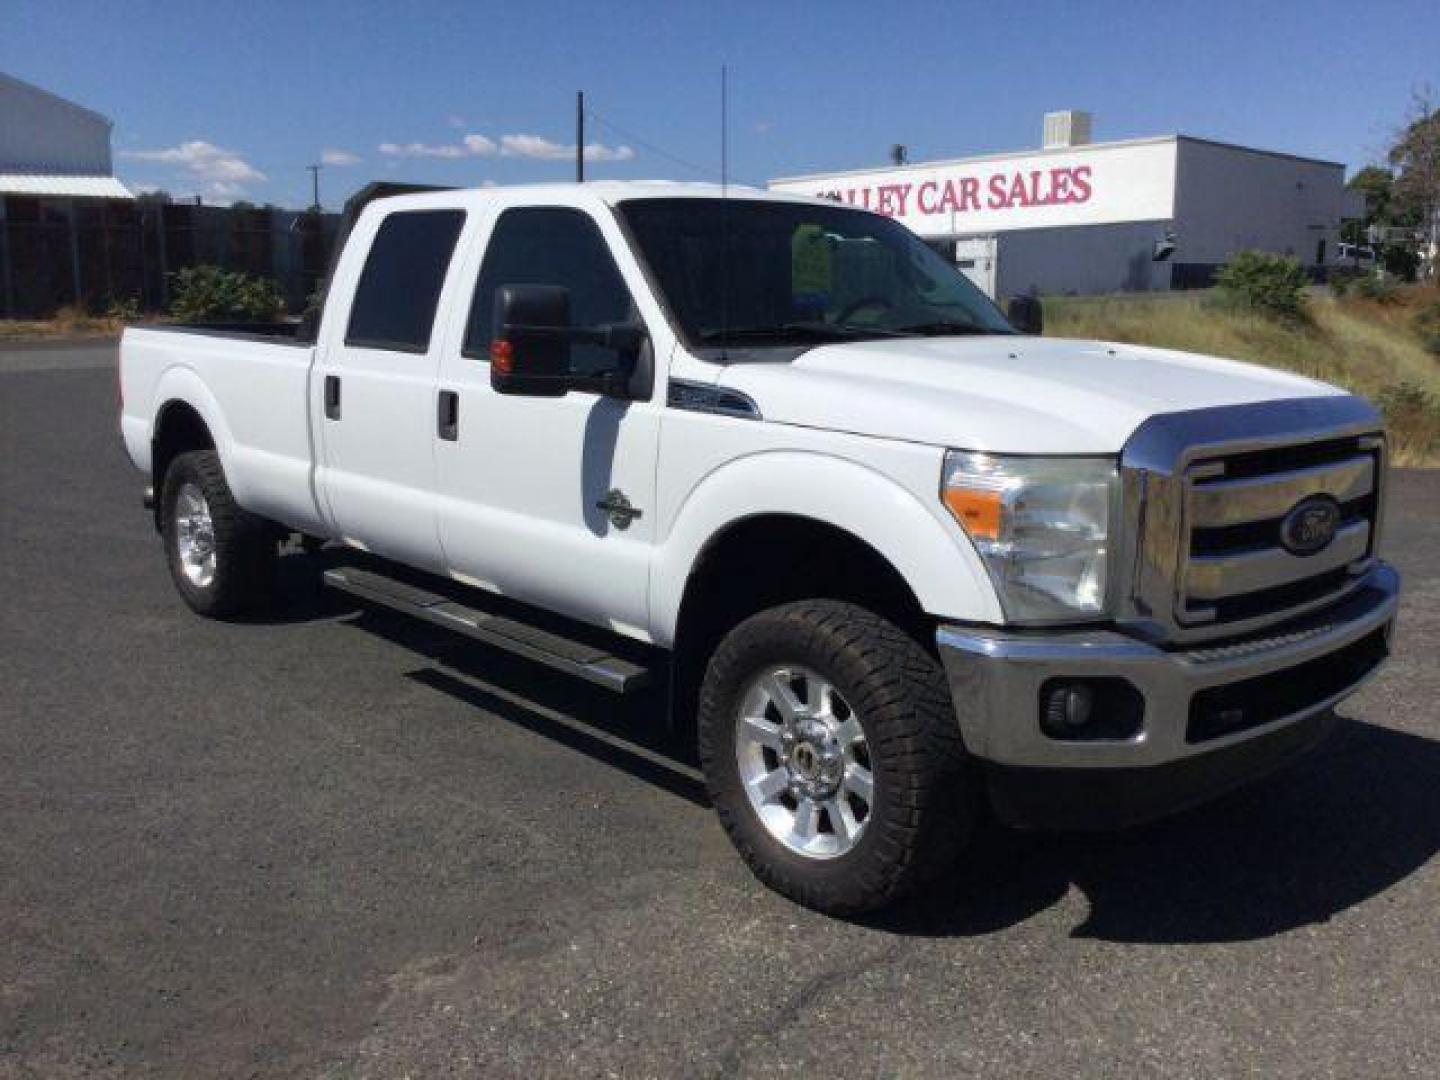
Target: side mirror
[1026,314]
[530,353]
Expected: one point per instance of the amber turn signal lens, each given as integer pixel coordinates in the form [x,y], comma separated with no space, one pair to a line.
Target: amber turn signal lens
[977,511]
[502,356]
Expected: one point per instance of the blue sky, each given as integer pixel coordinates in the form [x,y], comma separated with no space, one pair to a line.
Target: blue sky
[234,100]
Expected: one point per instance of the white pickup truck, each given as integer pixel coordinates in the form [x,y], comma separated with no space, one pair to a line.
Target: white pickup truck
[895,557]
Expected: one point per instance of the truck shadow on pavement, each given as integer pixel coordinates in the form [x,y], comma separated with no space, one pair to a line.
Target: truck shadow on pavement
[1343,824]
[1356,816]
[627,733]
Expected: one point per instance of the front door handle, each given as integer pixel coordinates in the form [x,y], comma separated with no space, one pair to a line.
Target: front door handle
[447,415]
[332,397]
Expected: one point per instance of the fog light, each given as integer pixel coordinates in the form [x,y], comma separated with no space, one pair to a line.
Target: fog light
[1068,708]
[1091,709]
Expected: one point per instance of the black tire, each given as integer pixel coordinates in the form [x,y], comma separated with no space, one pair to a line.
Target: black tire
[926,795]
[245,545]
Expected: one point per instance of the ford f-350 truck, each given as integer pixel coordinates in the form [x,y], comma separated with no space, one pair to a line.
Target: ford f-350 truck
[896,558]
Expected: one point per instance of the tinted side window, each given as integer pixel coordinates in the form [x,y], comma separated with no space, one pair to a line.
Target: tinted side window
[395,301]
[551,246]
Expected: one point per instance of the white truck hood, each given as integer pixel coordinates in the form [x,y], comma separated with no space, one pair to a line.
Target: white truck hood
[1020,394]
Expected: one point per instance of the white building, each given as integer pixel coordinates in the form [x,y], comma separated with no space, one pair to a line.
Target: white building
[1081,217]
[53,147]
[60,205]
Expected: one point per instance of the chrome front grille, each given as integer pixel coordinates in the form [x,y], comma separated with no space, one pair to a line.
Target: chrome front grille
[1237,568]
[1204,495]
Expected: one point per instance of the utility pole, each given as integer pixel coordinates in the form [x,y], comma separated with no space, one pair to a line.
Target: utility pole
[315,185]
[580,137]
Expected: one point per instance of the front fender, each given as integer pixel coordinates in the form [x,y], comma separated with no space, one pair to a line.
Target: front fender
[927,549]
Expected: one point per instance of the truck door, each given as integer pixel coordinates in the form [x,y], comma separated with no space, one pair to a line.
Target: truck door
[374,388]
[523,479]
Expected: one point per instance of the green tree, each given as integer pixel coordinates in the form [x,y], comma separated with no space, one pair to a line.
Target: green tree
[1377,184]
[1415,157]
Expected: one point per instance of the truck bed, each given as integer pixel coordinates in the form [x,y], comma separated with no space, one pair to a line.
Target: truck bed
[251,386]
[281,333]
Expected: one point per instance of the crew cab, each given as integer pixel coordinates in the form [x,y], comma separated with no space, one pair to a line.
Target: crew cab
[893,556]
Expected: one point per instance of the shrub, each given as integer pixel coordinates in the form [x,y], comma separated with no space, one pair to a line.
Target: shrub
[1427,326]
[1379,288]
[1342,279]
[1412,419]
[123,309]
[1272,285]
[203,293]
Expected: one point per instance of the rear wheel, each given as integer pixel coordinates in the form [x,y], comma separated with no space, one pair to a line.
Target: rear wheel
[221,558]
[832,755]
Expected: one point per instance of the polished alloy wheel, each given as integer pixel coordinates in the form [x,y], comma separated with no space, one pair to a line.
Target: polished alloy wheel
[195,536]
[804,762]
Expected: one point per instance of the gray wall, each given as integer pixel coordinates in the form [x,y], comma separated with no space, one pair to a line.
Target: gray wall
[1081,260]
[41,133]
[1228,199]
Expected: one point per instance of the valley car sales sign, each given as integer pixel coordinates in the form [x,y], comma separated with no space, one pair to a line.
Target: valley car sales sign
[1092,185]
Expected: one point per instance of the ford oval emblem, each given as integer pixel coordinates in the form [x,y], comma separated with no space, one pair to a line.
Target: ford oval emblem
[1310,525]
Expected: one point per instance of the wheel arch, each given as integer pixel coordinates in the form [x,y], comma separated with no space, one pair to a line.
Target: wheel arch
[769,533]
[187,417]
[837,500]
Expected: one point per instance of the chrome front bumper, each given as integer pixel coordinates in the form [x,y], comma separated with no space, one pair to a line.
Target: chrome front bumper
[996,678]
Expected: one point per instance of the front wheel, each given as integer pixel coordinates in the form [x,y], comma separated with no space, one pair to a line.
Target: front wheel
[832,755]
[222,558]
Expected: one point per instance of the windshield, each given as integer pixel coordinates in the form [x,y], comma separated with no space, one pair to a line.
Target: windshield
[798,273]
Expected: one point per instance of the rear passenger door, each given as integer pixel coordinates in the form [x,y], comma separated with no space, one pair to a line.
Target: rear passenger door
[374,388]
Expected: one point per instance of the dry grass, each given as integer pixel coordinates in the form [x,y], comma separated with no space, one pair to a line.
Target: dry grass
[1370,348]
[68,322]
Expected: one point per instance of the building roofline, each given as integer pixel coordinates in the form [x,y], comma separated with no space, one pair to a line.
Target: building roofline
[1263,153]
[1049,151]
[66,102]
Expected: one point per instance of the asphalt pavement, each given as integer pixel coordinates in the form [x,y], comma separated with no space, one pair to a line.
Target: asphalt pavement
[333,844]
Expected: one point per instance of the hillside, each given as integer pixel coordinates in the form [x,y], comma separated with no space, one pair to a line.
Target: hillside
[1374,349]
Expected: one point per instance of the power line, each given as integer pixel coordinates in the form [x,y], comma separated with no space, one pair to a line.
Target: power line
[651,147]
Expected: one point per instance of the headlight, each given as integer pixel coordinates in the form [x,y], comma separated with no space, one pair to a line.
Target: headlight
[1042,525]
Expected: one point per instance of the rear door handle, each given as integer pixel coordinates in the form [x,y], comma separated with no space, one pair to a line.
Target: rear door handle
[447,415]
[332,397]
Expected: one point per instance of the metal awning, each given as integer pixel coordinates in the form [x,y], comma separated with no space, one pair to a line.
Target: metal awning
[78,187]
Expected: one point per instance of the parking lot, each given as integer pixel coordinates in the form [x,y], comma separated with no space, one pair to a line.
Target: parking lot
[333,844]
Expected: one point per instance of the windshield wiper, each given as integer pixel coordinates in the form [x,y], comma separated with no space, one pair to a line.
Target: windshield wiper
[800,331]
[945,328]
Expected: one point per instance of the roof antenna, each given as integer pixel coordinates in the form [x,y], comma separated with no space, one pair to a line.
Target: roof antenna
[580,136]
[724,213]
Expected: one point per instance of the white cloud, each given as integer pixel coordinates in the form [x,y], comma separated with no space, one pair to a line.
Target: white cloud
[334,156]
[541,148]
[219,172]
[438,150]
[456,122]
[515,146]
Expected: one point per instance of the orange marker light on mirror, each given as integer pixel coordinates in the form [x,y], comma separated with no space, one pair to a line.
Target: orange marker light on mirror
[502,356]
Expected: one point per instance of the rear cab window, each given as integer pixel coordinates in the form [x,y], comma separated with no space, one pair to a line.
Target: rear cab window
[399,288]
